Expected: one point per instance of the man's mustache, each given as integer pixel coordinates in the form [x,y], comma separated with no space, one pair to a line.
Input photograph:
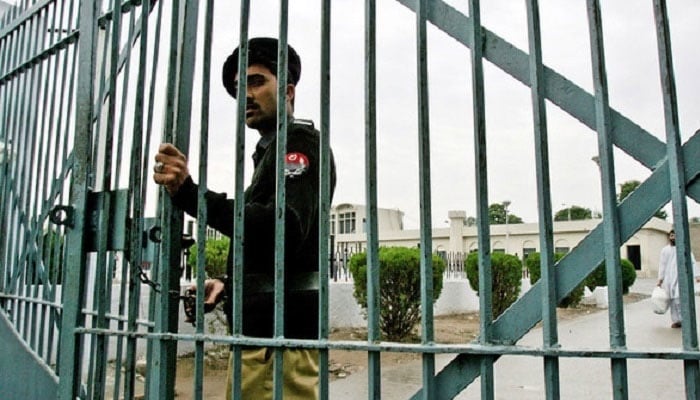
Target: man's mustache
[251,105]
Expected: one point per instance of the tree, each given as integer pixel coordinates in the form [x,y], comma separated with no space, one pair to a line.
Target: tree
[626,188]
[399,288]
[573,213]
[215,254]
[497,214]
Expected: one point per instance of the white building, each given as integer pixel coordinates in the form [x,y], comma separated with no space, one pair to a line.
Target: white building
[519,239]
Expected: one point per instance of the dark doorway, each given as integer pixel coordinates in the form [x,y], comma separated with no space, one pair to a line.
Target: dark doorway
[635,256]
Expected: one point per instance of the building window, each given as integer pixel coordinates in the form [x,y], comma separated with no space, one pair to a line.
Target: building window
[332,223]
[346,222]
[527,251]
[499,251]
[563,250]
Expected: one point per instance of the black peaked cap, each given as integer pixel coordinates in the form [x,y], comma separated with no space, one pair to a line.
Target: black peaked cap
[262,50]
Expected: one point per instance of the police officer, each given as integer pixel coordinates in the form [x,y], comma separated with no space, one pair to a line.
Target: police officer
[302,167]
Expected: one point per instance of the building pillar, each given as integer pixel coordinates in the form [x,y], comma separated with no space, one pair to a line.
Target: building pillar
[457,230]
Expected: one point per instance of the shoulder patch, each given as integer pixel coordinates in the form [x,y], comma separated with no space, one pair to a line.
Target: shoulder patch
[295,164]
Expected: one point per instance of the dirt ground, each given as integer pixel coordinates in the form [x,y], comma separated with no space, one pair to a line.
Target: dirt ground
[449,329]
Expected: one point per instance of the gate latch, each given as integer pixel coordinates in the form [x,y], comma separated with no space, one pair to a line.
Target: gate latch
[62,215]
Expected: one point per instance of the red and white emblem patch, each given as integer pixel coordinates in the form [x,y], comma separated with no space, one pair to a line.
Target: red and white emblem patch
[295,164]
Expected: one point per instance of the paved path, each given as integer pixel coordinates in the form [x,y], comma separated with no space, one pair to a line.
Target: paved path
[520,377]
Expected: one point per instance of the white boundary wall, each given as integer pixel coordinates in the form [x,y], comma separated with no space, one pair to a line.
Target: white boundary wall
[344,312]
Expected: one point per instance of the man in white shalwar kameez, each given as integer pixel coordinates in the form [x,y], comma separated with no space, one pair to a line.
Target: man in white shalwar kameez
[668,278]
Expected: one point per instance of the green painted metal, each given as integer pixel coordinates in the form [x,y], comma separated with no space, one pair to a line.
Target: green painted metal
[324,264]
[201,202]
[610,223]
[373,333]
[476,35]
[239,212]
[426,235]
[281,198]
[677,177]
[550,335]
[69,367]
[67,133]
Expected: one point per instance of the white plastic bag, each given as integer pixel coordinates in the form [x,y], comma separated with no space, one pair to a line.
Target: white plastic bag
[659,300]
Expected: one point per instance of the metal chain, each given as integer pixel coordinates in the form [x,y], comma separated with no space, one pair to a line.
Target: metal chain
[143,277]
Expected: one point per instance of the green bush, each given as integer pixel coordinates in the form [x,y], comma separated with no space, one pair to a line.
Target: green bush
[399,288]
[532,262]
[506,278]
[216,255]
[598,276]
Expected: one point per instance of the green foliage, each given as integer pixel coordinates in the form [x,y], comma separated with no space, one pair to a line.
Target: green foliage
[532,262]
[598,276]
[216,255]
[497,214]
[506,278]
[52,248]
[626,188]
[573,213]
[399,288]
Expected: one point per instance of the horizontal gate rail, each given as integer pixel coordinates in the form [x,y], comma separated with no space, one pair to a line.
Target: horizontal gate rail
[435,348]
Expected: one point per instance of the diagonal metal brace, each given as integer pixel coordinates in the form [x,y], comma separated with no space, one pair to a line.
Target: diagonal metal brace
[574,100]
[517,320]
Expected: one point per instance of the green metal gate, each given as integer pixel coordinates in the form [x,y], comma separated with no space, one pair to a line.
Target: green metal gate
[90,252]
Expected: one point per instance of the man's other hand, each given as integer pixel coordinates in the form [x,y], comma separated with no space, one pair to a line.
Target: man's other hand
[214,290]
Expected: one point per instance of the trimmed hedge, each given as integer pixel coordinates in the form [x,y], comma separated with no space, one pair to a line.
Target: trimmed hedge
[598,278]
[399,288]
[532,262]
[506,278]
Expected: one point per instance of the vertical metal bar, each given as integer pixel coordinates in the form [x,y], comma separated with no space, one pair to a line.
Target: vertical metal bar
[611,231]
[126,73]
[17,145]
[25,159]
[324,195]
[101,300]
[135,194]
[134,187]
[281,198]
[36,224]
[155,267]
[47,123]
[185,16]
[4,140]
[29,258]
[549,290]
[239,206]
[678,198]
[426,247]
[201,201]
[73,287]
[12,165]
[373,298]
[63,130]
[41,172]
[483,229]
